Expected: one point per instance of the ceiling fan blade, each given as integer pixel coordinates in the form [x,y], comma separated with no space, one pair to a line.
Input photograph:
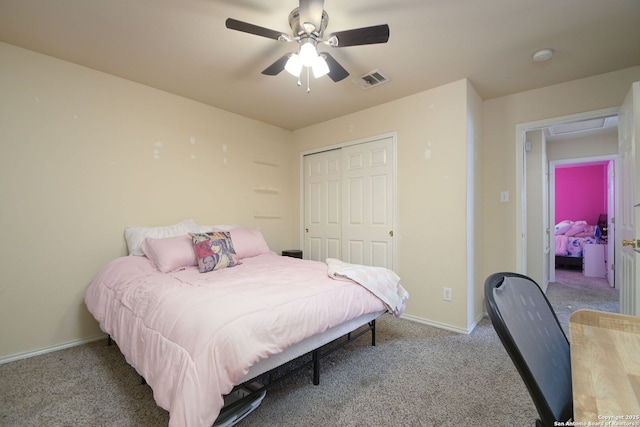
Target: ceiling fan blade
[275,68]
[361,36]
[245,27]
[336,71]
[311,13]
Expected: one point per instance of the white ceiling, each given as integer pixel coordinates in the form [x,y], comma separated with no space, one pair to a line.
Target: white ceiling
[183,47]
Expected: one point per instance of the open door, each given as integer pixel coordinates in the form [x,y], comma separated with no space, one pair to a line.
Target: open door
[611,234]
[627,275]
[537,189]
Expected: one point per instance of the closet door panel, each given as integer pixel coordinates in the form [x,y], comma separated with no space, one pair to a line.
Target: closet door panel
[379,253]
[355,251]
[322,205]
[366,203]
[313,248]
[333,249]
[379,200]
[354,201]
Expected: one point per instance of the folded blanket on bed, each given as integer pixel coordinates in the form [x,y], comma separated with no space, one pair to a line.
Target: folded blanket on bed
[380,281]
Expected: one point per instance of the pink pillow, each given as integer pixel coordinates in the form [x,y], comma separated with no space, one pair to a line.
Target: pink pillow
[248,242]
[576,227]
[171,253]
[589,231]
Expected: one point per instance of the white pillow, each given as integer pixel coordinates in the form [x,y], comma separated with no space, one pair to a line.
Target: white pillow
[563,226]
[210,228]
[136,235]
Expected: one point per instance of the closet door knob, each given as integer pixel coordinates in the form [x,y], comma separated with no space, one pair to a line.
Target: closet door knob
[632,243]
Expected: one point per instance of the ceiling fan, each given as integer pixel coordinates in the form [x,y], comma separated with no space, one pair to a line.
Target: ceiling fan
[308,23]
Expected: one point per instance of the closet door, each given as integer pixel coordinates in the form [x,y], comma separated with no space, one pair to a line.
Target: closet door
[322,199]
[349,204]
[367,203]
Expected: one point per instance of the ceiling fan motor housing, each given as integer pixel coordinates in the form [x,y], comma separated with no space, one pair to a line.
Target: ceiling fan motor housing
[299,29]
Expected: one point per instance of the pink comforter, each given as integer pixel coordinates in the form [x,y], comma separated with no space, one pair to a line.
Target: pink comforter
[193,336]
[572,246]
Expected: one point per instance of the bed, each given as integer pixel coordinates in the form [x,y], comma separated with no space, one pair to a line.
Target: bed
[570,238]
[194,334]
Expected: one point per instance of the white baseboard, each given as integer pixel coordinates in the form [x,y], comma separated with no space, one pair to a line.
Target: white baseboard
[45,350]
[442,325]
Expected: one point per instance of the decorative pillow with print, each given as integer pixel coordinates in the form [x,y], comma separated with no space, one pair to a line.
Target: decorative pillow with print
[214,250]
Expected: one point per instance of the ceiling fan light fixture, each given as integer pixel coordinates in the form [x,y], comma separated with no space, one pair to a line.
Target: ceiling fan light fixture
[308,53]
[320,67]
[294,65]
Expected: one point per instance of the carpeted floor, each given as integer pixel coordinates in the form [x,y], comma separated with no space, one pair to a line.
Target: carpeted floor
[417,375]
[572,290]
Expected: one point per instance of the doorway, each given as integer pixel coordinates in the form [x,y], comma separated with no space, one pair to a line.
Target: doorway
[566,139]
[581,210]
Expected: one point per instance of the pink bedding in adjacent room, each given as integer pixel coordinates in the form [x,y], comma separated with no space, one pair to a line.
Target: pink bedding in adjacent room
[572,246]
[194,335]
[571,236]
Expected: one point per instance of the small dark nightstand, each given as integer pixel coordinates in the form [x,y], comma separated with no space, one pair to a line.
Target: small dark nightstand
[294,253]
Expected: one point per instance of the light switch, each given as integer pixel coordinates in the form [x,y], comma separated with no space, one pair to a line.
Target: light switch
[504,196]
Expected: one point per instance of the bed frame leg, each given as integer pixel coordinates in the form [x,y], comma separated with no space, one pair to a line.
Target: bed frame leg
[109,340]
[316,367]
[372,324]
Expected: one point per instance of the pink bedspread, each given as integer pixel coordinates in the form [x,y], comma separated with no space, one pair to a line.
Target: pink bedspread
[192,336]
[572,246]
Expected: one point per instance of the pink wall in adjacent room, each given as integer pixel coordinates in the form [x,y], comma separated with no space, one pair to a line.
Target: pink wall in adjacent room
[581,193]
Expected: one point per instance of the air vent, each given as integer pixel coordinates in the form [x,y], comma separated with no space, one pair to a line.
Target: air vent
[371,79]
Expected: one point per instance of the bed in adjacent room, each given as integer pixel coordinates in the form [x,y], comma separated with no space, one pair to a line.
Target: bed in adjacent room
[200,312]
[570,238]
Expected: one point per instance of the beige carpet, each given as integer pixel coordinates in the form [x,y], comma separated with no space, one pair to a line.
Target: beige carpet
[417,375]
[573,290]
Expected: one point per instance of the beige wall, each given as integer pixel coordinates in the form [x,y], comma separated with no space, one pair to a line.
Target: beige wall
[77,165]
[499,120]
[432,129]
[591,146]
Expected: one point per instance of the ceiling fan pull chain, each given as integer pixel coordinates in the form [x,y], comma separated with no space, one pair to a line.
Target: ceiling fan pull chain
[308,84]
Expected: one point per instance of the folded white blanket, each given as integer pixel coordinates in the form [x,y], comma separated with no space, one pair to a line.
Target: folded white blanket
[382,282]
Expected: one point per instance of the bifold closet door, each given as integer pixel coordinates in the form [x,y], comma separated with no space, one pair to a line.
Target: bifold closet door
[322,199]
[367,203]
[349,204]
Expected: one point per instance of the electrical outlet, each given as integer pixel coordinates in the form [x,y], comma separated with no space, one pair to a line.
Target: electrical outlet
[447,294]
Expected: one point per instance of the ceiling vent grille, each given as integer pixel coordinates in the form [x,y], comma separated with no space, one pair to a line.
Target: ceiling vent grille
[371,79]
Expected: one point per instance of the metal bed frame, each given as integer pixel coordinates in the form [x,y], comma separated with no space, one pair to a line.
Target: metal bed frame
[272,377]
[261,383]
